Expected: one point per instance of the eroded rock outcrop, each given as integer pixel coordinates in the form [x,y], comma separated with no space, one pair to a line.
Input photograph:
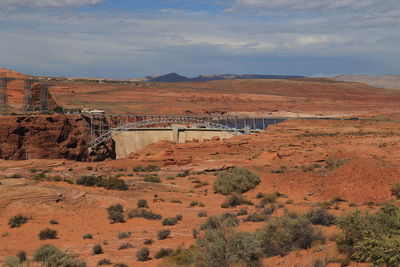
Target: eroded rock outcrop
[49,137]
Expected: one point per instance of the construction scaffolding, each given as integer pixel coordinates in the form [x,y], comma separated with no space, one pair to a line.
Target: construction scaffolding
[44,98]
[4,94]
[28,94]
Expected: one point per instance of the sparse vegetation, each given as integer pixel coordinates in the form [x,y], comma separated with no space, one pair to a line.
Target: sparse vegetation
[139,169]
[87,236]
[235,200]
[125,246]
[202,214]
[89,180]
[151,178]
[50,256]
[143,254]
[47,234]
[163,252]
[148,241]
[142,213]
[214,222]
[195,232]
[183,174]
[287,232]
[334,163]
[396,190]
[116,213]
[123,235]
[112,183]
[97,249]
[163,234]
[152,168]
[321,217]
[104,262]
[372,238]
[142,203]
[235,180]
[17,221]
[53,222]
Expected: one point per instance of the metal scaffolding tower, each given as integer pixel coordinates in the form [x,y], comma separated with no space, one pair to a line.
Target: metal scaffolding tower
[4,94]
[28,94]
[44,98]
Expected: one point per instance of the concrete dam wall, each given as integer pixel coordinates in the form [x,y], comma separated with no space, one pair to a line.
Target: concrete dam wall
[134,140]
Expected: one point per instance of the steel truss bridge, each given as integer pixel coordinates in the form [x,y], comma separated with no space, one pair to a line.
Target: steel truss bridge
[103,127]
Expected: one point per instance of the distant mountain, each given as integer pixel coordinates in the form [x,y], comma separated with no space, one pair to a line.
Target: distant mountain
[384,81]
[174,77]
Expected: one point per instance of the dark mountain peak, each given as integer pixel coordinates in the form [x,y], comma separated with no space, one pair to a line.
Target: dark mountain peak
[171,77]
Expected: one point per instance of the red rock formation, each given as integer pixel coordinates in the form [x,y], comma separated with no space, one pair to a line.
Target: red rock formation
[48,137]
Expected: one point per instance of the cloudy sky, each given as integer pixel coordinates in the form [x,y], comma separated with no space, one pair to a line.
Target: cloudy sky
[135,38]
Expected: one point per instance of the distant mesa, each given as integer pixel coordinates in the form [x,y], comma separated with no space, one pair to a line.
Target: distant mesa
[383,81]
[174,77]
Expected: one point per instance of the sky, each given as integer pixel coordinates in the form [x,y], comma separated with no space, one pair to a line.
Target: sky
[137,38]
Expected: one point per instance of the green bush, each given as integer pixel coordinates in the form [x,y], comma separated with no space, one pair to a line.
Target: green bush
[152,168]
[17,221]
[125,246]
[42,253]
[139,169]
[124,235]
[104,262]
[235,200]
[214,222]
[87,236]
[142,213]
[202,214]
[321,217]
[235,180]
[47,234]
[256,217]
[151,178]
[15,176]
[163,234]
[114,183]
[163,252]
[142,203]
[226,247]
[13,262]
[396,191]
[40,176]
[148,241]
[21,255]
[287,232]
[143,254]
[53,222]
[97,249]
[169,221]
[50,256]
[195,233]
[90,180]
[183,174]
[371,238]
[116,213]
[241,212]
[220,247]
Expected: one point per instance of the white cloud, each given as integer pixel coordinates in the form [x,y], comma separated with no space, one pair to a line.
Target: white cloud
[97,42]
[11,4]
[313,5]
